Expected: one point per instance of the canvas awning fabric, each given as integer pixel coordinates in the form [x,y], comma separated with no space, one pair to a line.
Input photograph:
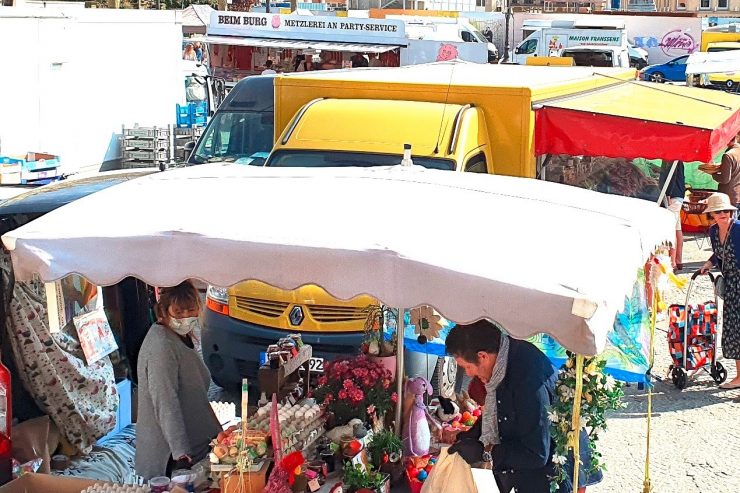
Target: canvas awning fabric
[638,120]
[566,261]
[702,62]
[292,44]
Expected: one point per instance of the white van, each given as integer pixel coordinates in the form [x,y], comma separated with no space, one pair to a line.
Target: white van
[458,30]
[547,41]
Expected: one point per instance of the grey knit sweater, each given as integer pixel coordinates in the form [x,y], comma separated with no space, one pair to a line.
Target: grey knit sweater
[174,416]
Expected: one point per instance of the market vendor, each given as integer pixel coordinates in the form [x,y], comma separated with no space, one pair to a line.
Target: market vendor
[518,386]
[175,420]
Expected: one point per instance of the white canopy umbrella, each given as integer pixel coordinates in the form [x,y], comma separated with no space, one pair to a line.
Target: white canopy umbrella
[702,62]
[533,256]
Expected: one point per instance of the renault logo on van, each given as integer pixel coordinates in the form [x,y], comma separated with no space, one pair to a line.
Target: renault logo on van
[296,315]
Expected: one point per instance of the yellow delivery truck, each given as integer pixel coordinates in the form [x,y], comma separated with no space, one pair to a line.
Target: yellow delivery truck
[458,117]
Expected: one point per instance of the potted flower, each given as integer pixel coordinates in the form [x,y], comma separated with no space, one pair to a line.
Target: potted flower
[386,449]
[358,479]
[375,344]
[355,387]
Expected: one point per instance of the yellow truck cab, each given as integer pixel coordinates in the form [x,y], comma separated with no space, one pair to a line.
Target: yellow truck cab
[728,80]
[442,136]
[456,116]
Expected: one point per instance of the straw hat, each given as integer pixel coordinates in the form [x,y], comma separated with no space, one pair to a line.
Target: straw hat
[719,202]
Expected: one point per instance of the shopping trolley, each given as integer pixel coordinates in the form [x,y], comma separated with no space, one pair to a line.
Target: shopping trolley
[692,338]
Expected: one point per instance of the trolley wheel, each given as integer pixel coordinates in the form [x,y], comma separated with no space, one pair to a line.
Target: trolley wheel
[680,378]
[718,373]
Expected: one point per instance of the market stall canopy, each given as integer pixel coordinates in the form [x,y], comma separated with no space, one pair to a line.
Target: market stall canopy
[702,62]
[534,256]
[639,120]
[195,18]
[291,44]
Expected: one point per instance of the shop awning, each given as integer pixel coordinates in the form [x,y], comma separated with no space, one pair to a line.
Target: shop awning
[638,119]
[291,44]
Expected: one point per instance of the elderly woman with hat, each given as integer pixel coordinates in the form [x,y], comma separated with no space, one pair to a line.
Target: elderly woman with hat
[725,236]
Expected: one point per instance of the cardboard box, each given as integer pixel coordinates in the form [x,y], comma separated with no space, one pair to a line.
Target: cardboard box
[45,483]
[254,482]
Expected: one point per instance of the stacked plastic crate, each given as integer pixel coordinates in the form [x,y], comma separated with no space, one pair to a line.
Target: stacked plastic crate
[145,147]
[191,120]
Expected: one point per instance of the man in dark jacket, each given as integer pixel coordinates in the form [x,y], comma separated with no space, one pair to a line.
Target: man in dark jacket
[514,432]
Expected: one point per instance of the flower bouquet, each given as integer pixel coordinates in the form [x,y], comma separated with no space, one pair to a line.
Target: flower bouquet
[601,393]
[355,387]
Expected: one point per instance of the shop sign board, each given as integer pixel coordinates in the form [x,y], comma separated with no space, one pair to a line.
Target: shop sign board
[308,28]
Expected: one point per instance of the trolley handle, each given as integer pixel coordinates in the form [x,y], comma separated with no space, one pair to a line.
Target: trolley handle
[698,273]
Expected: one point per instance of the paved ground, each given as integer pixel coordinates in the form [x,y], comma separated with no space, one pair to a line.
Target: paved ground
[695,439]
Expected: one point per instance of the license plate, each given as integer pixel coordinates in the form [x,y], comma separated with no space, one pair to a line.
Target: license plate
[316,365]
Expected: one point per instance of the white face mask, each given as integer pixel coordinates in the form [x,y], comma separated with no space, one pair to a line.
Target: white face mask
[183,326]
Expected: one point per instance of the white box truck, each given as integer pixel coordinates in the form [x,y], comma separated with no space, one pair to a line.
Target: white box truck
[549,41]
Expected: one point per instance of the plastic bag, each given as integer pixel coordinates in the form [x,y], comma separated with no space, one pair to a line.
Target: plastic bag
[450,473]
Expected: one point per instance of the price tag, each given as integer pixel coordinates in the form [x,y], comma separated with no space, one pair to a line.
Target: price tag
[314,485]
[291,400]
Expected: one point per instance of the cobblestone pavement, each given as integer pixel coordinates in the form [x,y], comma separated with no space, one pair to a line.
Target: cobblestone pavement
[695,438]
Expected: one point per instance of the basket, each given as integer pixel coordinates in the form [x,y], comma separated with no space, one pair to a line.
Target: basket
[697,195]
[694,207]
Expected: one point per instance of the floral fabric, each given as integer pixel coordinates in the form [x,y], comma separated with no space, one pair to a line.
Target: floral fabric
[82,400]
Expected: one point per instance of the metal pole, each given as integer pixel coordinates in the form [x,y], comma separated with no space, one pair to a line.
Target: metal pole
[507,45]
[400,329]
[667,181]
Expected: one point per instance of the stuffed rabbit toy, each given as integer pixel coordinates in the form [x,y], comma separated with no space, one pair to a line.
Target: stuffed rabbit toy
[416,433]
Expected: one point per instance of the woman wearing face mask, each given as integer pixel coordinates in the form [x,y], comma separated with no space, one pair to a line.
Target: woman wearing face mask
[175,421]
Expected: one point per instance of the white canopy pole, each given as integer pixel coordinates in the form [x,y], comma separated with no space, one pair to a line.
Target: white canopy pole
[400,329]
[667,181]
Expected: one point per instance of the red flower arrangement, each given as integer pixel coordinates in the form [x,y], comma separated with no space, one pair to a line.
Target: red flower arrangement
[356,387]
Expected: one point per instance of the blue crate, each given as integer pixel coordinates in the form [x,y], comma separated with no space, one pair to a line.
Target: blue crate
[32,161]
[199,108]
[183,115]
[197,120]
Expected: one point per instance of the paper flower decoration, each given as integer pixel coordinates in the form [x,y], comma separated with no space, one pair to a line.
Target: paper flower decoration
[427,321]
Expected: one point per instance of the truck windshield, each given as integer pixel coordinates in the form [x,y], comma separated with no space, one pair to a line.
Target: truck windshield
[234,135]
[595,58]
[335,159]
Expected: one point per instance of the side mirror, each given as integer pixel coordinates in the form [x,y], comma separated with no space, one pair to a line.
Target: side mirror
[189,146]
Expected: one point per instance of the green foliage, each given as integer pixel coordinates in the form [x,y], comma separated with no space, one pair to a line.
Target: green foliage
[384,442]
[355,477]
[601,393]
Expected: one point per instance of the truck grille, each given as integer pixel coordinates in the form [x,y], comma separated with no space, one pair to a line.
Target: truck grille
[328,314]
[266,308]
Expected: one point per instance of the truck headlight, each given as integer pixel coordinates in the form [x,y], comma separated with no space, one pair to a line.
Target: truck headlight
[217,299]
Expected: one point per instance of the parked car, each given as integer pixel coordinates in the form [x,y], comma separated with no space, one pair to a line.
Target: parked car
[674,71]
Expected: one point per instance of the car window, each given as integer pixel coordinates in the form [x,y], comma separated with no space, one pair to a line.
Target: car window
[527,48]
[681,61]
[477,164]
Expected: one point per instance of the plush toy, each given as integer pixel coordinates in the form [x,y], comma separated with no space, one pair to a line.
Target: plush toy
[416,434]
[447,410]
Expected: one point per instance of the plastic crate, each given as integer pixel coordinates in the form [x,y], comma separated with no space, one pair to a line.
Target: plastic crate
[32,161]
[146,133]
[183,115]
[198,108]
[48,174]
[146,155]
[151,144]
[198,120]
